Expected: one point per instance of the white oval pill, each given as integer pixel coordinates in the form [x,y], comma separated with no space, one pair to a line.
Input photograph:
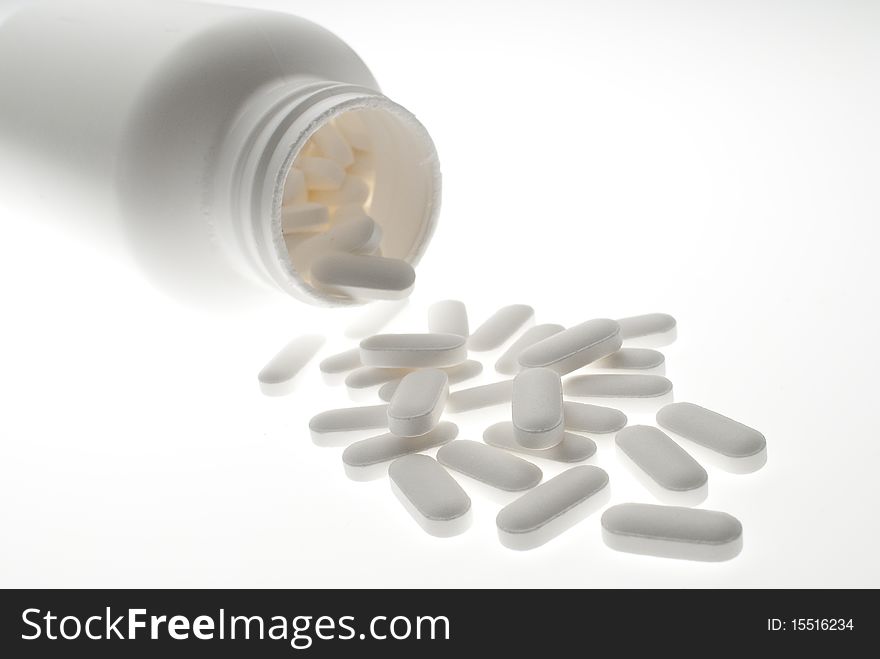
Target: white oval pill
[354,190]
[418,403]
[333,145]
[364,165]
[741,448]
[538,420]
[321,173]
[371,376]
[428,493]
[369,458]
[352,127]
[508,363]
[672,532]
[500,326]
[572,448]
[304,218]
[486,395]
[582,417]
[295,189]
[551,508]
[448,317]
[635,359]
[356,235]
[490,465]
[654,329]
[675,477]
[341,362]
[348,212]
[337,427]
[276,377]
[464,371]
[617,386]
[363,276]
[573,348]
[413,350]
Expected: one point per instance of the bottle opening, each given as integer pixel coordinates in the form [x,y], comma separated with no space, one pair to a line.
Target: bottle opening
[364,179]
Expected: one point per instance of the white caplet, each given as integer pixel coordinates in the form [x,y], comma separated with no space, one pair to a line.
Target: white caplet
[322,173]
[363,276]
[332,144]
[418,402]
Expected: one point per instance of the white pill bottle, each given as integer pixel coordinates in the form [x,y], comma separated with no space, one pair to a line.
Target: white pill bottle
[169,128]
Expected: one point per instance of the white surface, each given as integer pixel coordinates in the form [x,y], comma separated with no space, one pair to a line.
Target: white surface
[717,161]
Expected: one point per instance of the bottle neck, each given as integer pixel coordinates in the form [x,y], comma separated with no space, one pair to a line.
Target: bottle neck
[268,138]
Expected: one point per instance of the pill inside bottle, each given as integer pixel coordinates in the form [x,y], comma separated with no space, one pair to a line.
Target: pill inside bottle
[367,164]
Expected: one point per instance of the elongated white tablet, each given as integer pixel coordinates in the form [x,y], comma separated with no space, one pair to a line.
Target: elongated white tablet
[354,190]
[305,217]
[486,395]
[448,317]
[672,532]
[508,363]
[418,403]
[359,235]
[338,427]
[741,449]
[295,189]
[500,326]
[633,359]
[333,145]
[617,386]
[413,350]
[460,373]
[575,347]
[321,173]
[572,448]
[353,130]
[490,465]
[673,475]
[276,377]
[553,507]
[364,165]
[650,329]
[371,376]
[428,493]
[582,417]
[341,362]
[363,276]
[369,458]
[538,420]
[347,212]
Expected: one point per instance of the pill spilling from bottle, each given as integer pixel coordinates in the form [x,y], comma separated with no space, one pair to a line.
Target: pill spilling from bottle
[419,384]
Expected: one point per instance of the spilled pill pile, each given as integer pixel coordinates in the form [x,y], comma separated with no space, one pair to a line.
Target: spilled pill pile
[543,367]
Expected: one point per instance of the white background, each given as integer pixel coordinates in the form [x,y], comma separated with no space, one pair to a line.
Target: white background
[714,160]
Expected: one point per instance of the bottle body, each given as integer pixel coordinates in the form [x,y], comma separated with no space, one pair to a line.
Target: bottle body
[165,128]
